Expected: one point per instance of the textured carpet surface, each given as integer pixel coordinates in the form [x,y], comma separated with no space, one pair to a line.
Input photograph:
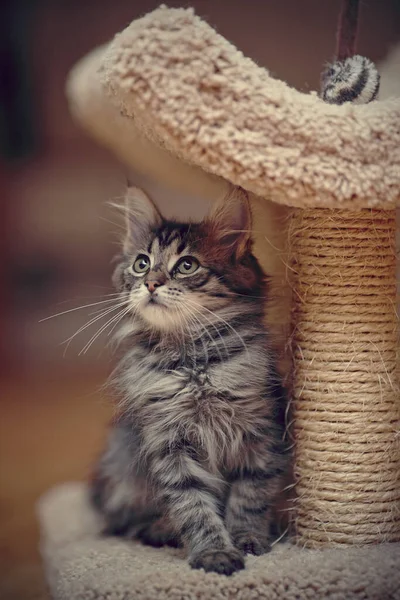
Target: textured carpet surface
[80,564]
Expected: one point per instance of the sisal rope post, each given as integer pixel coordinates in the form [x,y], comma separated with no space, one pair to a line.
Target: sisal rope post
[346,399]
[345,337]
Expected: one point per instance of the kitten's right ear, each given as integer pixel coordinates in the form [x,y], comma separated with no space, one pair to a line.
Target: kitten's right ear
[230,222]
[141,216]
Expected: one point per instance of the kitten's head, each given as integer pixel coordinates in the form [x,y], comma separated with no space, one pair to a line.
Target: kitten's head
[176,273]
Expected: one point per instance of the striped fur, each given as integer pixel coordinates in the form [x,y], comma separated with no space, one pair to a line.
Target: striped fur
[354,79]
[197,454]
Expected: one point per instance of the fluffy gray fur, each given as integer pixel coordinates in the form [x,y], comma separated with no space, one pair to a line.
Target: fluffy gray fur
[197,452]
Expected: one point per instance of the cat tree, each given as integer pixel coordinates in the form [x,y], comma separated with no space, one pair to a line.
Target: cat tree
[170,87]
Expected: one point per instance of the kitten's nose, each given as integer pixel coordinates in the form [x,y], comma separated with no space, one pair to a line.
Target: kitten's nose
[152,285]
[155,279]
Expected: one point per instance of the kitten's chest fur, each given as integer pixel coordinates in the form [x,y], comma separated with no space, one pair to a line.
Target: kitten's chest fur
[214,407]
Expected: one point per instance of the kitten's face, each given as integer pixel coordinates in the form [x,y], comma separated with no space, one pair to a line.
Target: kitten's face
[177,274]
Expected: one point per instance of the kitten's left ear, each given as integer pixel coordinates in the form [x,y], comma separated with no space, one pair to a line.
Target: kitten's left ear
[141,216]
[230,221]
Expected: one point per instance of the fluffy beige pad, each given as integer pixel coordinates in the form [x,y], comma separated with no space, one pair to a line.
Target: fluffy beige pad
[171,79]
[82,565]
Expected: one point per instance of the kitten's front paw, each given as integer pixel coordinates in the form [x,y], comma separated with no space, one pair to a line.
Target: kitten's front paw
[224,562]
[251,543]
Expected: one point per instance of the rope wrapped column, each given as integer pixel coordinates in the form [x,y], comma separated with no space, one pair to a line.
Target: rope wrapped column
[345,394]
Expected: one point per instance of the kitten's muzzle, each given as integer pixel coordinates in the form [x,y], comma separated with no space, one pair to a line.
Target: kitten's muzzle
[153,299]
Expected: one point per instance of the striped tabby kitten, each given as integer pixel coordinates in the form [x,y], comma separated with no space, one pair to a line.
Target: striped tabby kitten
[197,454]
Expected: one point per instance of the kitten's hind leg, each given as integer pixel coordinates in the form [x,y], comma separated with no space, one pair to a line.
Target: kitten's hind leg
[118,490]
[159,532]
[121,505]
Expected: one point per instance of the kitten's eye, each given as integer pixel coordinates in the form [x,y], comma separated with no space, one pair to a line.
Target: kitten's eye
[141,264]
[187,265]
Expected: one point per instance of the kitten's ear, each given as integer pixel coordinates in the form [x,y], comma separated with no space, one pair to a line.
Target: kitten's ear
[141,216]
[230,221]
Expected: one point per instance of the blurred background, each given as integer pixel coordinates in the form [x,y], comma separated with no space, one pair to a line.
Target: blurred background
[58,235]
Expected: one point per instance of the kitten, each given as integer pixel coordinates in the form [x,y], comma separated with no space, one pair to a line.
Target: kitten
[197,453]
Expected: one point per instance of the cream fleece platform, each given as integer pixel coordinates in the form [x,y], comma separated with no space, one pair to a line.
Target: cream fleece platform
[171,84]
[83,565]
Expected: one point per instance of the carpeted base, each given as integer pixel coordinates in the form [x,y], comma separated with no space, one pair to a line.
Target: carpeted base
[80,564]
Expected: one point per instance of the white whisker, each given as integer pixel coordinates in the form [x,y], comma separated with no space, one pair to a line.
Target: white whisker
[99,332]
[223,321]
[91,322]
[185,318]
[129,309]
[76,308]
[208,333]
